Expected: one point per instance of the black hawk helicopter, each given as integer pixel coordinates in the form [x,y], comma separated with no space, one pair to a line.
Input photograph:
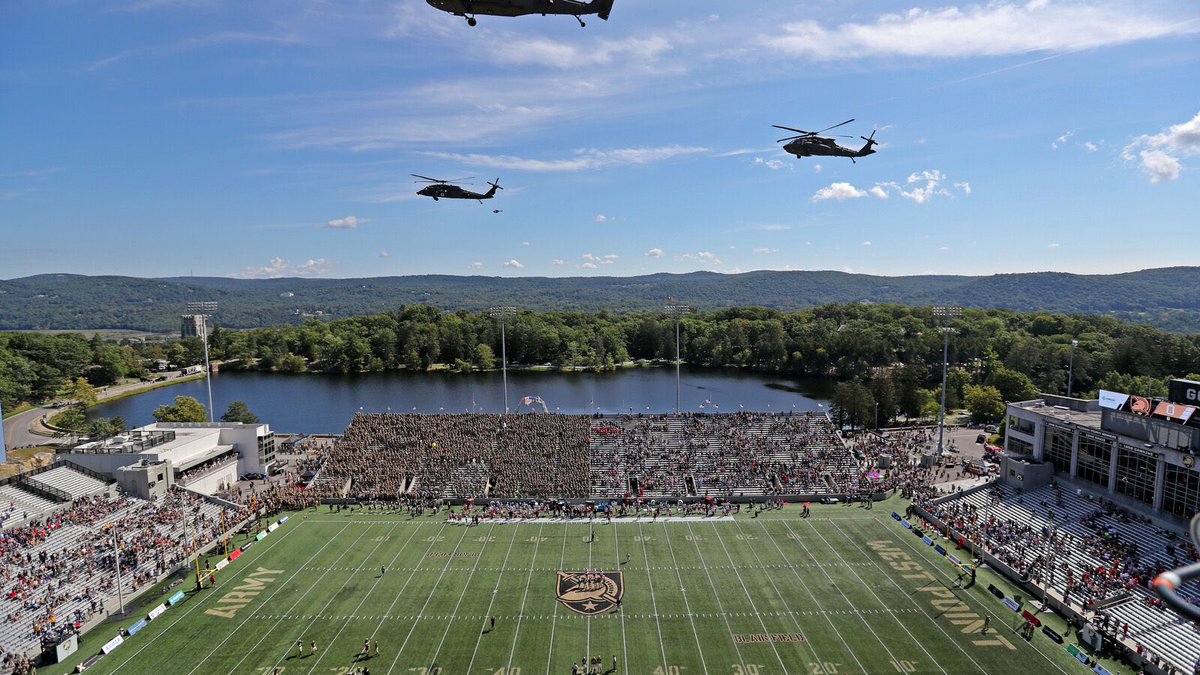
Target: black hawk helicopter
[808,144]
[449,189]
[575,8]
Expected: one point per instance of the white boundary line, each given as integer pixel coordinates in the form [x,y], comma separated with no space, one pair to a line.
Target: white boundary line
[524,596]
[562,556]
[871,590]
[771,578]
[432,591]
[295,604]
[621,610]
[745,590]
[492,600]
[433,539]
[466,584]
[400,549]
[968,596]
[653,602]
[688,606]
[849,604]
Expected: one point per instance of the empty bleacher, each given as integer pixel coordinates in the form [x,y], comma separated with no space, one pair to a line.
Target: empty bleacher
[74,483]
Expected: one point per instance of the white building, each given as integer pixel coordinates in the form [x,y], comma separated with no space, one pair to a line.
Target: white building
[200,456]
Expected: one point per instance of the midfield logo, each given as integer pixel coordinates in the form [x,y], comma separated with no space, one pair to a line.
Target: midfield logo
[590,593]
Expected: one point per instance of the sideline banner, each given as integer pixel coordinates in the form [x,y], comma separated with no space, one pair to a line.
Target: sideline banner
[221,565]
[156,612]
[174,599]
[1011,604]
[137,625]
[939,549]
[273,527]
[112,644]
[261,536]
[283,519]
[236,554]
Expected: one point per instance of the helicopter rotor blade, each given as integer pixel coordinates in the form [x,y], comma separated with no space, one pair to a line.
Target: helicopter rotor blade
[427,178]
[799,131]
[792,138]
[836,126]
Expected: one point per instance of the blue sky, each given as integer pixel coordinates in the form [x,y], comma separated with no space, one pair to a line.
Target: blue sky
[276,138]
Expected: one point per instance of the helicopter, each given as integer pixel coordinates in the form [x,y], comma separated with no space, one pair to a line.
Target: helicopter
[808,143]
[575,8]
[449,189]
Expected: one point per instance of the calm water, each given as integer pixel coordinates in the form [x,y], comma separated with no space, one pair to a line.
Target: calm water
[324,403]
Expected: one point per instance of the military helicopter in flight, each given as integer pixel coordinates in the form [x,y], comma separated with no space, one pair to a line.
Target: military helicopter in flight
[808,143]
[575,8]
[449,189]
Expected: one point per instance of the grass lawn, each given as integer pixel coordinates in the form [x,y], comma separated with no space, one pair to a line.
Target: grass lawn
[844,591]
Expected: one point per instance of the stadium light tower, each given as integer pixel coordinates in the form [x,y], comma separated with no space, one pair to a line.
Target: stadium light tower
[503,313]
[1071,367]
[676,311]
[945,313]
[205,310]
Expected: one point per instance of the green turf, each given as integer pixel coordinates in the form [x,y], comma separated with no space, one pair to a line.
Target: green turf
[822,585]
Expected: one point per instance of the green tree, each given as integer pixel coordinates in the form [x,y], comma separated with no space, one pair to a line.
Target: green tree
[105,427]
[185,409]
[984,403]
[238,411]
[484,359]
[1013,386]
[79,392]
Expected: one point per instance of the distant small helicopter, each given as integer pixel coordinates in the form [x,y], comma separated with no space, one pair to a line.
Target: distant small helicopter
[449,189]
[808,143]
[575,8]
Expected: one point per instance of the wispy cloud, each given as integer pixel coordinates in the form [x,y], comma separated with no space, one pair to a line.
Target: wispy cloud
[840,191]
[1159,154]
[654,253]
[763,250]
[582,160]
[515,264]
[991,29]
[347,223]
[279,267]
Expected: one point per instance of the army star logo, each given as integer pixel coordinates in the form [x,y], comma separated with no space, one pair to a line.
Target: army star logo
[590,593]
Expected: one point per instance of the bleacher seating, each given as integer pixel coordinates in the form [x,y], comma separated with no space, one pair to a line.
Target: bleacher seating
[19,506]
[1047,531]
[74,483]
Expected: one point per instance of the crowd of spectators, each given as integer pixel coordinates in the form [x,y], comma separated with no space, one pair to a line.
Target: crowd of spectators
[58,572]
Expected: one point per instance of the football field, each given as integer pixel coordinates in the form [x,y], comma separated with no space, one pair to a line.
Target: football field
[846,590]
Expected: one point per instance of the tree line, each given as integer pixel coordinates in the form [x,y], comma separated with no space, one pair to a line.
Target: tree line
[886,358]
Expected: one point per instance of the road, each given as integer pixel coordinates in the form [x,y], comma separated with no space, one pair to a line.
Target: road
[17,429]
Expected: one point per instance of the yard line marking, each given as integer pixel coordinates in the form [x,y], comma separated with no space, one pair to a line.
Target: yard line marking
[742,582]
[771,579]
[621,611]
[400,549]
[588,642]
[653,601]
[246,653]
[396,658]
[561,557]
[875,595]
[200,603]
[850,604]
[238,630]
[454,613]
[495,590]
[688,606]
[528,580]
[968,596]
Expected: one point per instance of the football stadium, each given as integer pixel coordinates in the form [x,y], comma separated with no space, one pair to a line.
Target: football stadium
[743,543]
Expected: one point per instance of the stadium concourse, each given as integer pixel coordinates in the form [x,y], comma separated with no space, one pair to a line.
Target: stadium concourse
[1087,555]
[61,529]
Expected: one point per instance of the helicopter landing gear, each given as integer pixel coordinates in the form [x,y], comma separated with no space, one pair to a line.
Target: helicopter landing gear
[471,21]
[581,23]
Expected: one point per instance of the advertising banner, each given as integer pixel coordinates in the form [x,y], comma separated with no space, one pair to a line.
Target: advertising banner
[112,644]
[1174,411]
[1186,392]
[174,599]
[283,520]
[1112,400]
[1011,604]
[138,625]
[156,612]
[261,536]
[236,554]
[66,648]
[221,565]
[273,527]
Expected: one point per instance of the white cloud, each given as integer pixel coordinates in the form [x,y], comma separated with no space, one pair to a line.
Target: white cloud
[1160,153]
[584,159]
[878,192]
[515,264]
[600,218]
[384,254]
[943,248]
[838,192]
[654,253]
[1090,146]
[347,223]
[589,266]
[1054,245]
[524,243]
[817,168]
[773,164]
[576,54]
[601,260]
[279,267]
[964,186]
[558,262]
[987,29]
[768,227]
[763,250]
[1061,140]
[866,243]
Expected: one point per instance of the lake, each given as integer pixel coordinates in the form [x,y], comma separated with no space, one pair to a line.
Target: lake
[324,403]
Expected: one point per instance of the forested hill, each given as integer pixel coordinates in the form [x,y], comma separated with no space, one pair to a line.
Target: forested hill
[1168,298]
